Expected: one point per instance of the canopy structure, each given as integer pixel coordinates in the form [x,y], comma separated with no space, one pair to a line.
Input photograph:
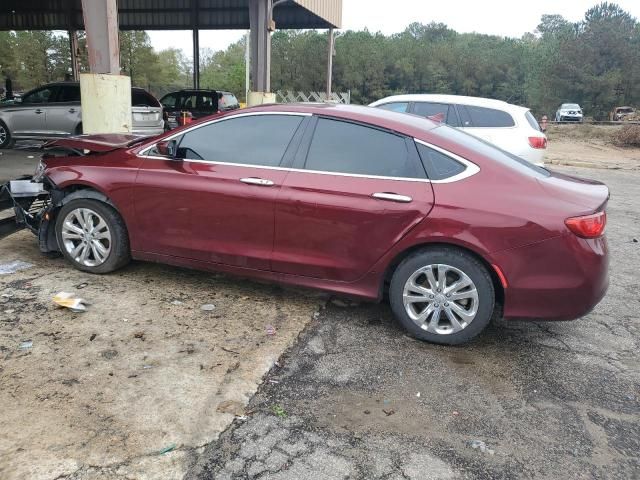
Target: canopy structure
[168,14]
[194,15]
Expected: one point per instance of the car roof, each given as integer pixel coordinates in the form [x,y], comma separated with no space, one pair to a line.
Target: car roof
[412,125]
[455,99]
[74,83]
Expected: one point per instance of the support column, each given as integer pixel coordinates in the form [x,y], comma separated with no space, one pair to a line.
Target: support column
[330,64]
[73,47]
[261,24]
[105,94]
[196,59]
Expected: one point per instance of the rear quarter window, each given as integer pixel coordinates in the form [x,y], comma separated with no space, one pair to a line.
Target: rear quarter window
[438,165]
[487,117]
[532,121]
[140,98]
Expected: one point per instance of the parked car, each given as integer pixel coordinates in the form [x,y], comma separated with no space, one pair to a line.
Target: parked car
[196,103]
[355,200]
[620,114]
[569,112]
[507,126]
[54,110]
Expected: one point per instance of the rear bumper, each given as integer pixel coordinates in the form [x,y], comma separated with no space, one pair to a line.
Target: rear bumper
[562,278]
[148,131]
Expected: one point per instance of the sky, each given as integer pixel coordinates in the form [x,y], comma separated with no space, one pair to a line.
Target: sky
[510,18]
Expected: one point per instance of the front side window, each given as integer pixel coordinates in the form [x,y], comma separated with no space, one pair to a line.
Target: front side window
[438,165]
[43,95]
[395,106]
[436,111]
[170,100]
[344,147]
[488,117]
[251,140]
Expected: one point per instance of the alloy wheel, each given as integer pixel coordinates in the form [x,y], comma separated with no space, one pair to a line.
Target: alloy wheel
[86,237]
[440,299]
[3,134]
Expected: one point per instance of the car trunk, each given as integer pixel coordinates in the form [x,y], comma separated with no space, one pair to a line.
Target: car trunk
[146,116]
[588,196]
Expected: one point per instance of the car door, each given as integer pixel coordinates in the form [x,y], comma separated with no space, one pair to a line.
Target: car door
[207,104]
[355,192]
[63,112]
[442,112]
[215,203]
[171,106]
[29,116]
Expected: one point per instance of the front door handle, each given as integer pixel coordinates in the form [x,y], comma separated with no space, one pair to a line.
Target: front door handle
[38,111]
[263,182]
[72,110]
[392,197]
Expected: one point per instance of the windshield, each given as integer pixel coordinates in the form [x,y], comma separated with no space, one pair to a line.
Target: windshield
[571,105]
[489,150]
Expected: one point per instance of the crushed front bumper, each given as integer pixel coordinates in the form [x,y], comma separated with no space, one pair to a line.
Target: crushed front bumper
[32,208]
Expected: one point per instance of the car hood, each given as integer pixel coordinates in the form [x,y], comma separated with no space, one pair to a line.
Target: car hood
[105,142]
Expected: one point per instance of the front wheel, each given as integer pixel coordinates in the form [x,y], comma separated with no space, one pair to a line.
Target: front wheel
[92,236]
[442,295]
[5,136]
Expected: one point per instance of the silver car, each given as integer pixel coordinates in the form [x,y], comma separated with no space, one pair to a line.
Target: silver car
[54,111]
[569,112]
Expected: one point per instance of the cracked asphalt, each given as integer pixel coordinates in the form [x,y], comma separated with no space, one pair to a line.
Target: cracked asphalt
[356,398]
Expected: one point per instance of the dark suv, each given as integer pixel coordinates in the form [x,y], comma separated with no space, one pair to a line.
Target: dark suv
[198,103]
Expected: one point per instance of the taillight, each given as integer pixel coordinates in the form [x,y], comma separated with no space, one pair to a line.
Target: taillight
[588,226]
[538,142]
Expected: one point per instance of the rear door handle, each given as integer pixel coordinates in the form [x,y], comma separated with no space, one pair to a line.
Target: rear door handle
[38,111]
[392,197]
[72,110]
[263,182]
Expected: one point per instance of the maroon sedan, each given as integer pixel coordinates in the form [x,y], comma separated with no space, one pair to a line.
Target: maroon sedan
[355,200]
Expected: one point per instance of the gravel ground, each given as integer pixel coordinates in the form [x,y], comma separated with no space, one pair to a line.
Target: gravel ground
[356,398]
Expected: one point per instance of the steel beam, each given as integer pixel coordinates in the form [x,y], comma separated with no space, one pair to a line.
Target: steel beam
[196,59]
[260,21]
[101,25]
[330,63]
[73,46]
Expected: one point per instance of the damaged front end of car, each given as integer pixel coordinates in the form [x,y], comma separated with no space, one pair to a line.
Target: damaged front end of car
[33,204]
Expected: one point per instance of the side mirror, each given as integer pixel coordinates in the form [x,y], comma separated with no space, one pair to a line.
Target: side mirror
[167,148]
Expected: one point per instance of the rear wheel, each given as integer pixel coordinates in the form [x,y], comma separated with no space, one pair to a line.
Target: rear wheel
[442,295]
[92,236]
[5,136]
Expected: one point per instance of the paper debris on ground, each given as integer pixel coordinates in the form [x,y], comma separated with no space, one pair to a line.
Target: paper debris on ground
[66,300]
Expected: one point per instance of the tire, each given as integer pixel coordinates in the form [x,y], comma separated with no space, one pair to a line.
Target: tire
[457,266]
[83,214]
[5,136]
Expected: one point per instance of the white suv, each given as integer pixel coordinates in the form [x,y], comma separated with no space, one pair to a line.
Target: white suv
[510,127]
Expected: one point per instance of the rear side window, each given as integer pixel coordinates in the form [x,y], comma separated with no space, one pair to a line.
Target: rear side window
[68,93]
[438,165]
[487,117]
[207,101]
[229,100]
[251,140]
[532,121]
[437,111]
[395,106]
[345,147]
[140,98]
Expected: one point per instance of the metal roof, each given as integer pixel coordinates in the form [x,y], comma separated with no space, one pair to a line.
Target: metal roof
[168,14]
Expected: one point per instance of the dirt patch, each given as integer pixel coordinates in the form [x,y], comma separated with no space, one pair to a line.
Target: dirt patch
[144,370]
[589,146]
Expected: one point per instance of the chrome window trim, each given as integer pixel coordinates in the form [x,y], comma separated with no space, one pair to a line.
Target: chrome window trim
[470,170]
